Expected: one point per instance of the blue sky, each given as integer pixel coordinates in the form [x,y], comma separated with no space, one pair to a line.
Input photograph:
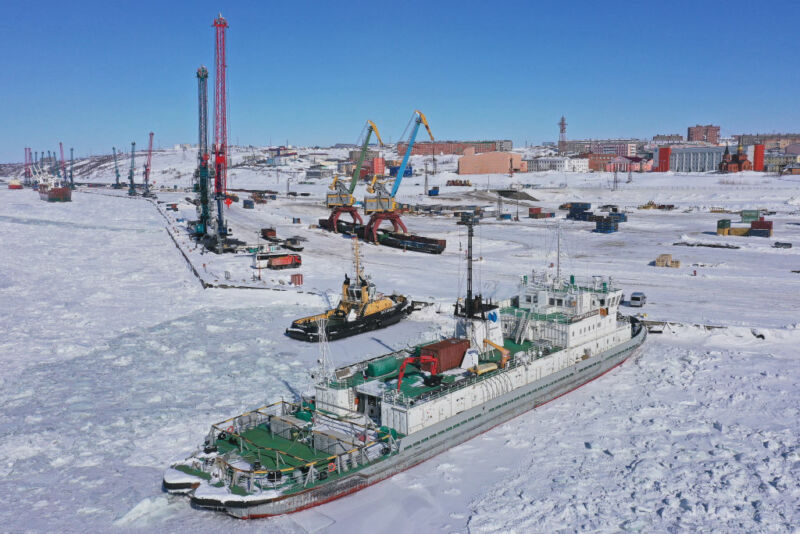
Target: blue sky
[100,74]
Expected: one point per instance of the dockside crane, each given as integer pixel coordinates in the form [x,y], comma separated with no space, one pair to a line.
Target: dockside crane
[220,130]
[131,187]
[380,204]
[342,200]
[71,180]
[117,185]
[63,164]
[147,168]
[203,173]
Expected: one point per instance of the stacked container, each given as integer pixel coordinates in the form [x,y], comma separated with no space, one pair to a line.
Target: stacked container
[606,225]
[723,226]
[749,215]
[761,228]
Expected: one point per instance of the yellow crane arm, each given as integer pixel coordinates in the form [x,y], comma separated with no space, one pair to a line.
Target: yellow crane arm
[425,123]
[375,129]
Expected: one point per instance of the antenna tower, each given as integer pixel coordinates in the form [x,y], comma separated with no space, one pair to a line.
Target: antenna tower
[562,136]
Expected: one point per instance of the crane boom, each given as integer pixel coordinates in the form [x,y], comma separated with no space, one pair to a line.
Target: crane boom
[357,172]
[420,119]
[131,187]
[71,181]
[63,164]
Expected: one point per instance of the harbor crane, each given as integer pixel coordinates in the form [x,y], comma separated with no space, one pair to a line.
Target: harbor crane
[131,187]
[220,130]
[380,204]
[341,200]
[204,172]
[116,167]
[71,180]
[63,164]
[146,173]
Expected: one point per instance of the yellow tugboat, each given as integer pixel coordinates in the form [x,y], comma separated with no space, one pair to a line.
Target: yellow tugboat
[361,309]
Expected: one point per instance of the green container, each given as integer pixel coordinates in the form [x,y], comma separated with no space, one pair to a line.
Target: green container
[750,213]
[724,223]
[382,366]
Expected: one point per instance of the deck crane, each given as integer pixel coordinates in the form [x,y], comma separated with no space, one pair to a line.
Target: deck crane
[116,168]
[131,187]
[71,180]
[382,205]
[146,172]
[341,200]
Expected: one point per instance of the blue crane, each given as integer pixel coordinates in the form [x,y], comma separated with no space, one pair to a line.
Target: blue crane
[116,168]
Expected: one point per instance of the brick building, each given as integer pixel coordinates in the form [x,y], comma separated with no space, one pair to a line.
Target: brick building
[490,162]
[708,133]
[735,162]
[427,148]
[664,139]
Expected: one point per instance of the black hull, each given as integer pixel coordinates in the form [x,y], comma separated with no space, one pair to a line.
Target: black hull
[310,332]
[410,242]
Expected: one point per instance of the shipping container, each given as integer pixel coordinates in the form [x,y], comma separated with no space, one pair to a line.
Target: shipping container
[757,232]
[266,233]
[382,366]
[724,223]
[295,220]
[738,230]
[448,353]
[297,279]
[761,225]
[248,204]
[531,211]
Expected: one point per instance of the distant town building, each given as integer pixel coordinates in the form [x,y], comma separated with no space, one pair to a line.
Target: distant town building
[353,155]
[735,162]
[428,148]
[490,162]
[688,158]
[792,149]
[770,141]
[667,138]
[559,163]
[319,172]
[708,133]
[777,162]
[617,147]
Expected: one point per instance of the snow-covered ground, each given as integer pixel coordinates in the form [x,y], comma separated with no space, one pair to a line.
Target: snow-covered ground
[115,360]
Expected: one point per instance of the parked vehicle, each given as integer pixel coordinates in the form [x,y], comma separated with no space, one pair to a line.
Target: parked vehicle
[638,299]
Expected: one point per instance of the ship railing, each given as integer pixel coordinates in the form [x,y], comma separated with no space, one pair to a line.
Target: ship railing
[366,447]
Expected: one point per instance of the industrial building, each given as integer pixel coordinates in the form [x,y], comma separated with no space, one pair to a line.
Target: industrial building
[708,133]
[558,163]
[490,162]
[435,148]
[777,162]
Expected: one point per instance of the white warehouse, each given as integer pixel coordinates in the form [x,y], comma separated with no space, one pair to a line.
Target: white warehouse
[560,164]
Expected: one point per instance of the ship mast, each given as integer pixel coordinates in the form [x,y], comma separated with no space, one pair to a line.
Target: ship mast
[356,260]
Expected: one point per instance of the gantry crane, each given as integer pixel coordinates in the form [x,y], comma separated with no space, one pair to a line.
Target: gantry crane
[381,204]
[342,200]
[116,168]
[131,187]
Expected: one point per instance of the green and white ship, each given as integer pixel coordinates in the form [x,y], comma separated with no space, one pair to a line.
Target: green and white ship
[375,418]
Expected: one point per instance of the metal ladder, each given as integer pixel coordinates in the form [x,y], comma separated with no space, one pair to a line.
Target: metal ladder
[522,327]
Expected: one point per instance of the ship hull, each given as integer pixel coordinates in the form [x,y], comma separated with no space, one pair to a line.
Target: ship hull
[55,194]
[429,442]
[376,321]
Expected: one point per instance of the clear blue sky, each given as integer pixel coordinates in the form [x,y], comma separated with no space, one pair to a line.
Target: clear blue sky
[95,74]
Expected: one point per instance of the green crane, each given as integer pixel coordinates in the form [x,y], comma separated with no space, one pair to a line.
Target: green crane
[341,199]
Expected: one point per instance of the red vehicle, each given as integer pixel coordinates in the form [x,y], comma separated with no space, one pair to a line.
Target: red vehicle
[288,261]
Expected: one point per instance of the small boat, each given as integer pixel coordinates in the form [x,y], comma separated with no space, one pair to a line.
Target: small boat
[361,309]
[15,184]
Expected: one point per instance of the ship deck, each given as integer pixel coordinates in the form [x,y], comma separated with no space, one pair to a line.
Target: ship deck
[272,452]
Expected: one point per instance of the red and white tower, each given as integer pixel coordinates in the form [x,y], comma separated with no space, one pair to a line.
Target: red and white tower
[562,136]
[220,109]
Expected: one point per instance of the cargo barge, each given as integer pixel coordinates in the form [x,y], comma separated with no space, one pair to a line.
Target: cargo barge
[388,238]
[375,418]
[361,309]
[55,194]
